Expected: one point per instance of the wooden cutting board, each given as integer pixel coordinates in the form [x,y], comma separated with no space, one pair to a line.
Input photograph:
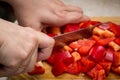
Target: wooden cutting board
[48,75]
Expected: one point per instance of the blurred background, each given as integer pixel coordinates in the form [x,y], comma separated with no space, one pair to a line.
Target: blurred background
[94,8]
[97,7]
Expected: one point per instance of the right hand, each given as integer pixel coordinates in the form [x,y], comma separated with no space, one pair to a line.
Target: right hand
[19,48]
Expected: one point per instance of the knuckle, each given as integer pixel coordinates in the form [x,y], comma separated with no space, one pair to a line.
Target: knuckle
[51,41]
[80,10]
[23,55]
[33,38]
[59,21]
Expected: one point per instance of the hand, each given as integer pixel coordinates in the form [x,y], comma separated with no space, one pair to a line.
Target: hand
[19,48]
[38,13]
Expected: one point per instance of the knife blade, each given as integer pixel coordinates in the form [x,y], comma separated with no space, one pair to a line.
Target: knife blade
[66,38]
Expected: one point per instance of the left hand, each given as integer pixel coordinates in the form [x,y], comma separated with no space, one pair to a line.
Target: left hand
[38,13]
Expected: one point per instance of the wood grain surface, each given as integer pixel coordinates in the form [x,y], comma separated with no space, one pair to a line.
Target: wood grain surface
[48,75]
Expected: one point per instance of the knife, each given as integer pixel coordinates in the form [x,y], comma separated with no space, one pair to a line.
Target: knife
[66,38]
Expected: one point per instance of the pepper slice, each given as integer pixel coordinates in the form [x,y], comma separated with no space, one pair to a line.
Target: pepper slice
[87,65]
[58,68]
[74,68]
[97,73]
[37,70]
[97,53]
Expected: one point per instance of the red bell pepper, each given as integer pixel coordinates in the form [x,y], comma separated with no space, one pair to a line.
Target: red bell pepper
[85,46]
[95,23]
[71,27]
[85,24]
[115,28]
[109,54]
[89,23]
[58,56]
[116,69]
[97,53]
[68,61]
[74,68]
[51,34]
[117,40]
[106,66]
[102,41]
[86,64]
[104,26]
[97,73]
[116,59]
[74,45]
[62,66]
[58,68]
[37,70]
[94,56]
[76,56]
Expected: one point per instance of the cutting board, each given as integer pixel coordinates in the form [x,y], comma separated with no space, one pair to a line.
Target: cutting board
[48,75]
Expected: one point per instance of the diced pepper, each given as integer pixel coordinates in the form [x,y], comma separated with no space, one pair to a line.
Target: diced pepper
[71,27]
[95,23]
[68,61]
[116,69]
[38,69]
[56,30]
[104,26]
[115,28]
[114,45]
[74,68]
[58,68]
[76,56]
[108,34]
[109,54]
[118,40]
[103,41]
[116,59]
[85,24]
[101,75]
[97,73]
[58,56]
[106,66]
[74,45]
[51,34]
[94,56]
[67,48]
[87,65]
[103,33]
[97,53]
[85,46]
[98,31]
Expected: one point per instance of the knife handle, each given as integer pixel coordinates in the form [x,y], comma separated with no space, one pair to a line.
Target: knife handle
[1,66]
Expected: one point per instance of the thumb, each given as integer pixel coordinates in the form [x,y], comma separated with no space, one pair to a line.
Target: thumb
[46,45]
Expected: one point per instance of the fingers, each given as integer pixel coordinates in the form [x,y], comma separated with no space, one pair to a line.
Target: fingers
[29,63]
[25,65]
[46,44]
[68,14]
[71,8]
[73,14]
[33,23]
[59,2]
